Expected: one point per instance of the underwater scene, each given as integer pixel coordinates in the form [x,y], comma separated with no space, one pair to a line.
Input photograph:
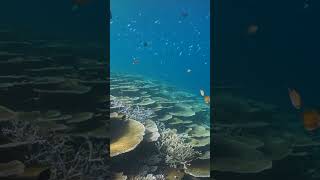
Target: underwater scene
[54,106]
[265,101]
[160,89]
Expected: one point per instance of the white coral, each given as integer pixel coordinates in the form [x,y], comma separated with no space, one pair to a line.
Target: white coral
[67,158]
[137,113]
[150,177]
[174,148]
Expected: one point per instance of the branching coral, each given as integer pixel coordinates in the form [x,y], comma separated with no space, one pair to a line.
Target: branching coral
[174,148]
[67,158]
[150,177]
[137,113]
[171,145]
[21,131]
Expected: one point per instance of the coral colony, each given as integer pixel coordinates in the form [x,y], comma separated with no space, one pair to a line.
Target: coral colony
[176,151]
[137,113]
[159,125]
[161,130]
[65,158]
[171,145]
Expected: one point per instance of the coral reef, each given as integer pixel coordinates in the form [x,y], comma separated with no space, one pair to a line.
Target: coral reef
[21,131]
[149,177]
[176,127]
[62,153]
[174,148]
[132,112]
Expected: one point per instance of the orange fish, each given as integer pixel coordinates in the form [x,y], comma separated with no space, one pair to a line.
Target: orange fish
[207,99]
[311,120]
[252,29]
[295,98]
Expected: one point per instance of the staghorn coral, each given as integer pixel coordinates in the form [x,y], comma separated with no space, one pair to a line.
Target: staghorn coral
[173,147]
[137,113]
[22,131]
[149,177]
[67,158]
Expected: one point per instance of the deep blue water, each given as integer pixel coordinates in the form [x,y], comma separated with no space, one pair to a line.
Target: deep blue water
[167,37]
[56,19]
[284,52]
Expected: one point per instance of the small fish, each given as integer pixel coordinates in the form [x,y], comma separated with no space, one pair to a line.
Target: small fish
[252,29]
[157,21]
[207,99]
[184,14]
[135,61]
[295,98]
[311,120]
[78,3]
[189,70]
[202,92]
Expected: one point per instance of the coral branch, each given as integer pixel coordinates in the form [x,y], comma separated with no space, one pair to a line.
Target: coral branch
[173,147]
[67,158]
[137,113]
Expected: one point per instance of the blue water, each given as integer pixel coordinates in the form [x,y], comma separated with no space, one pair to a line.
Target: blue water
[56,19]
[166,43]
[282,54]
